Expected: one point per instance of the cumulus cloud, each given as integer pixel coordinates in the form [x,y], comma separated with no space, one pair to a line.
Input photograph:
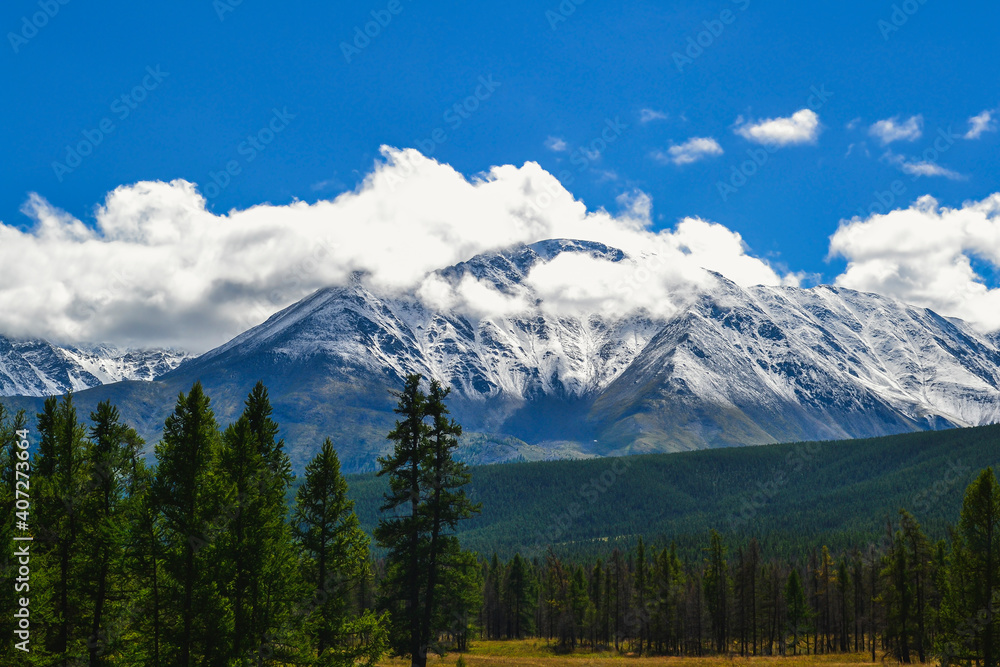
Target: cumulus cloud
[802,127]
[556,144]
[891,129]
[662,270]
[920,167]
[926,255]
[692,150]
[649,115]
[981,123]
[156,268]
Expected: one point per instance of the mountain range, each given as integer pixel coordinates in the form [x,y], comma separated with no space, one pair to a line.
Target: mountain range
[36,367]
[729,366]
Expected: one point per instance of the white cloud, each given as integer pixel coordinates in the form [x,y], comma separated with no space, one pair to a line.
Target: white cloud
[890,129]
[649,115]
[692,150]
[156,268]
[329,184]
[920,167]
[924,255]
[802,127]
[556,144]
[980,124]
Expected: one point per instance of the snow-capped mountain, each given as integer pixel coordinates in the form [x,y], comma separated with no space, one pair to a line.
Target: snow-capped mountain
[39,368]
[730,366]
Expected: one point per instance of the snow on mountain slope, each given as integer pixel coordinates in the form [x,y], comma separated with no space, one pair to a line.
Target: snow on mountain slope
[770,364]
[512,358]
[732,366]
[39,368]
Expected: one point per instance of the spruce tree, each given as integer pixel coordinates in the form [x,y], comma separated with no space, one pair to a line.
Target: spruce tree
[519,597]
[975,577]
[192,499]
[143,555]
[427,499]
[62,483]
[798,609]
[404,534]
[445,505]
[336,562]
[103,524]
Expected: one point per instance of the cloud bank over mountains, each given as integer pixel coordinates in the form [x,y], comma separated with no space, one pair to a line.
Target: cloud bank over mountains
[156,268]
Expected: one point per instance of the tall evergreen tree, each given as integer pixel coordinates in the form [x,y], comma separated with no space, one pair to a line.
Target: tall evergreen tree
[103,523]
[428,501]
[716,583]
[336,562]
[975,576]
[519,597]
[405,533]
[143,556]
[192,498]
[62,480]
[446,504]
[798,607]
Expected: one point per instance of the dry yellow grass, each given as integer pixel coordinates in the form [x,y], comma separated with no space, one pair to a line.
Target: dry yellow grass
[536,653]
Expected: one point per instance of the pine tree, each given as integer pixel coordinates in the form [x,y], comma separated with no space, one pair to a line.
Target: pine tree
[519,597]
[798,608]
[336,561]
[257,543]
[428,501]
[445,505]
[405,533]
[62,478]
[143,559]
[193,500]
[103,524]
[919,559]
[716,583]
[971,617]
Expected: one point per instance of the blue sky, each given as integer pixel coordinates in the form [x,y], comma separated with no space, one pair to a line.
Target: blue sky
[226,71]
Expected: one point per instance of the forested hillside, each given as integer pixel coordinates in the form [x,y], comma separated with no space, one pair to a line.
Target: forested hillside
[788,495]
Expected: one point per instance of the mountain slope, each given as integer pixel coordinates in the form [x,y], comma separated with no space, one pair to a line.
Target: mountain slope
[731,366]
[39,368]
[840,492]
[773,364]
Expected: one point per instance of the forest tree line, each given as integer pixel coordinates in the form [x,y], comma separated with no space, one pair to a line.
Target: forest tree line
[205,556]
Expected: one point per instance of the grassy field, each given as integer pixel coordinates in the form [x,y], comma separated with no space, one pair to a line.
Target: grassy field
[536,653]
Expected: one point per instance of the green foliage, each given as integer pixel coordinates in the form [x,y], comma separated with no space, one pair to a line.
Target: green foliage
[789,496]
[194,500]
[974,578]
[335,562]
[427,573]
